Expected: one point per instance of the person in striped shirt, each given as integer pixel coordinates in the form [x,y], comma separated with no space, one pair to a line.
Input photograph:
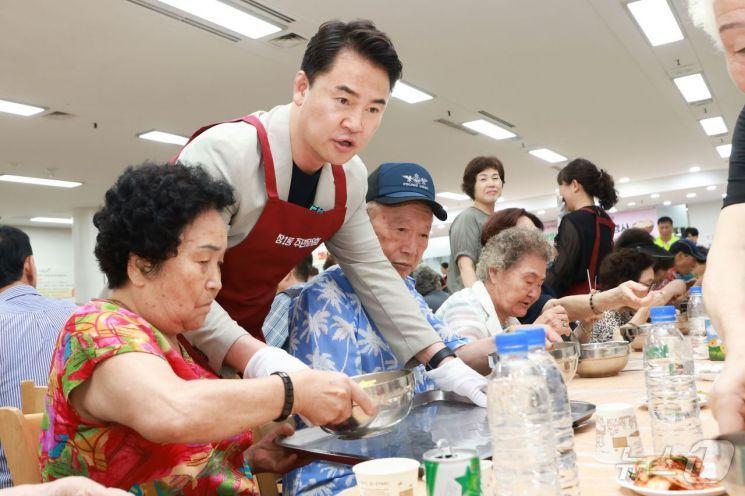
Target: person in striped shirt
[29,324]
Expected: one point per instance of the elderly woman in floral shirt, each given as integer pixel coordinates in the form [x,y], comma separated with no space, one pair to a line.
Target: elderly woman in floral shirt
[128,406]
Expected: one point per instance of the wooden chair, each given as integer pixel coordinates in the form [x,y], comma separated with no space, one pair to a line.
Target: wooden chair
[267,481]
[33,397]
[19,435]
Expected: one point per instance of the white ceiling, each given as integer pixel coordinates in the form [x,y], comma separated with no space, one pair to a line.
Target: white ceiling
[576,76]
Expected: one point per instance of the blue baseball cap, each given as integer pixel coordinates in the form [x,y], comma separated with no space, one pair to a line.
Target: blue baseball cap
[689,248]
[399,182]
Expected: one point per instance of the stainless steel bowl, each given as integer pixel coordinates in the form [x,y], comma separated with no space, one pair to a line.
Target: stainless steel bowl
[602,359]
[566,355]
[636,335]
[729,453]
[392,393]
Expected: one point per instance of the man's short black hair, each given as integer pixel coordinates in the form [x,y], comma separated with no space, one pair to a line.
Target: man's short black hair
[444,265]
[690,231]
[360,36]
[664,219]
[15,248]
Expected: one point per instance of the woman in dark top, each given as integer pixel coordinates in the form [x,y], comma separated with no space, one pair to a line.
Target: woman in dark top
[586,233]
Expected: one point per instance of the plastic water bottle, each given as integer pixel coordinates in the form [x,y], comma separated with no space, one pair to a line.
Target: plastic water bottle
[519,413]
[671,388]
[561,410]
[697,323]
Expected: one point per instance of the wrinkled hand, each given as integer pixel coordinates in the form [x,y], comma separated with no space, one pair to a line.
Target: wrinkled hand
[74,486]
[454,375]
[635,295]
[556,321]
[326,397]
[727,397]
[268,456]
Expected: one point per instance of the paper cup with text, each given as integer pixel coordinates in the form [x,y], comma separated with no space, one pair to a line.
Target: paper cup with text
[617,433]
[387,477]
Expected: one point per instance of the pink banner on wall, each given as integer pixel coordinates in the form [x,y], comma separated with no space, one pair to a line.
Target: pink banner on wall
[635,218]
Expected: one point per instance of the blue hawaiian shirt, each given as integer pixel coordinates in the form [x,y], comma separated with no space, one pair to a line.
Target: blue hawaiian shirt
[330,330]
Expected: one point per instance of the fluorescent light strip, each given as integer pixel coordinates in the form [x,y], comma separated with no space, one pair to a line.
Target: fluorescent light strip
[38,181]
[19,108]
[654,195]
[549,156]
[656,21]
[541,212]
[409,94]
[695,168]
[724,151]
[631,204]
[624,180]
[693,88]
[667,203]
[489,129]
[163,137]
[711,188]
[713,126]
[691,195]
[52,220]
[453,196]
[226,16]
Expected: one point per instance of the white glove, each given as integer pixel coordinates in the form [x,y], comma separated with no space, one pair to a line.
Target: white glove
[268,360]
[454,375]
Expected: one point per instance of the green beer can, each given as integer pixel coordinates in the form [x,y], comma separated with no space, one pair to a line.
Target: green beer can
[452,471]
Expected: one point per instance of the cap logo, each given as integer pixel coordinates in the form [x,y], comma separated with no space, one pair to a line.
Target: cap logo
[416,181]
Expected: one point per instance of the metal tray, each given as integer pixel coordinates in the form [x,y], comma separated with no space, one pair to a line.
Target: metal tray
[434,415]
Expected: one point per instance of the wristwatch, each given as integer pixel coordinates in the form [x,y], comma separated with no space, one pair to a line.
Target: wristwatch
[438,357]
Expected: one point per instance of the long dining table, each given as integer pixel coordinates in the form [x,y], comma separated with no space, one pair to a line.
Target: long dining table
[598,478]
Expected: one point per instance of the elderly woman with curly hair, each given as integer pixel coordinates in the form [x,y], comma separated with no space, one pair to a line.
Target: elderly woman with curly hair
[510,272]
[128,406]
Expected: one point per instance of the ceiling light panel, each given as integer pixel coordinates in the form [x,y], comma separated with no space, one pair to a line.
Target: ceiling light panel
[52,220]
[549,156]
[163,137]
[693,88]
[226,16]
[19,108]
[489,129]
[453,196]
[713,126]
[407,93]
[39,181]
[656,20]
[724,151]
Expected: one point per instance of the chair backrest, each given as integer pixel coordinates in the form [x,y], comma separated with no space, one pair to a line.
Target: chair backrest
[32,397]
[267,481]
[19,435]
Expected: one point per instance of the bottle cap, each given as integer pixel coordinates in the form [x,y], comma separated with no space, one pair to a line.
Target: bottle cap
[696,290]
[511,343]
[534,335]
[662,314]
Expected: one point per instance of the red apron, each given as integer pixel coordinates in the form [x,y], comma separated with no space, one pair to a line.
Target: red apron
[282,236]
[582,287]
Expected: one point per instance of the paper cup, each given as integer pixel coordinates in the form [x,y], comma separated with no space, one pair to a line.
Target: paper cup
[387,477]
[617,433]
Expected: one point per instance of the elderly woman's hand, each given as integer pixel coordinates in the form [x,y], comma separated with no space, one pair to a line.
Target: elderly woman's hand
[326,397]
[68,486]
[634,295]
[268,456]
[556,321]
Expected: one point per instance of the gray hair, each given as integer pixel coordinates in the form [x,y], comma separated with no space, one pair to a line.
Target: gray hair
[427,280]
[505,249]
[702,15]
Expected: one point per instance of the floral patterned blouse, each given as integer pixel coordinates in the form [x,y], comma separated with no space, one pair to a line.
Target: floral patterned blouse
[115,455]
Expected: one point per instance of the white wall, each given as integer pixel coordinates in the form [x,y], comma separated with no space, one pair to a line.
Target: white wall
[703,216]
[53,254]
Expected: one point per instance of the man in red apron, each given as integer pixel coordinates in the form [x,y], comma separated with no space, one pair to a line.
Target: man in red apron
[299,183]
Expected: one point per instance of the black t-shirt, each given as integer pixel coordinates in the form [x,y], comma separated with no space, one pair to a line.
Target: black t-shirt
[736,182]
[303,187]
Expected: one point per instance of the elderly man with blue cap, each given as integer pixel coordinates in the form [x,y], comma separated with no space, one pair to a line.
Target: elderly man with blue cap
[330,328]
